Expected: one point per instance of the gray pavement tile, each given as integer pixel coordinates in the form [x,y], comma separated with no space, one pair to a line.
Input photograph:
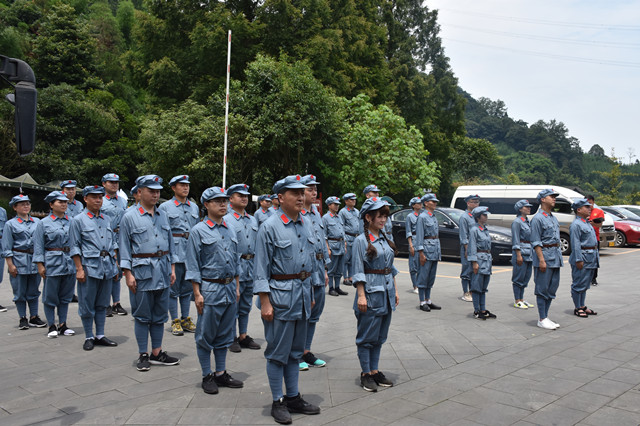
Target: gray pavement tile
[536,372]
[32,416]
[446,412]
[354,420]
[254,416]
[583,401]
[607,387]
[630,345]
[618,355]
[465,381]
[529,400]
[338,398]
[393,409]
[609,416]
[36,401]
[625,375]
[557,385]
[558,361]
[445,360]
[98,416]
[629,401]
[85,403]
[412,421]
[154,387]
[327,415]
[580,374]
[155,415]
[556,415]
[465,422]
[227,398]
[498,414]
[432,395]
[206,416]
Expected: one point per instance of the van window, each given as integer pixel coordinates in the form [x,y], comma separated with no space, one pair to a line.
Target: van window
[499,205]
[562,206]
[401,216]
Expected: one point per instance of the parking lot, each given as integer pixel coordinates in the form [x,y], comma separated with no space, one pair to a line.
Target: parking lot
[448,368]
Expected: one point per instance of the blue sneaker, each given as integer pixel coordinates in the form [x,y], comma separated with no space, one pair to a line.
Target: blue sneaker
[311,360]
[304,366]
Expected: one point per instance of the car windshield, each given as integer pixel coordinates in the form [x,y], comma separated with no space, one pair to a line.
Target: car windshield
[628,213]
[635,210]
[454,214]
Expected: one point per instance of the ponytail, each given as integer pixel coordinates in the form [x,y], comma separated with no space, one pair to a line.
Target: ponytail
[371,250]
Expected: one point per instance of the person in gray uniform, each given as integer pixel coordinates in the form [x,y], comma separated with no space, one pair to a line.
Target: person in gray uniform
[410,232]
[373,191]
[429,252]
[479,255]
[584,258]
[350,217]
[75,207]
[521,256]
[3,220]
[264,211]
[336,239]
[466,223]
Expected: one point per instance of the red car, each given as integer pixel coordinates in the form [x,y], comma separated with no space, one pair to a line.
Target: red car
[627,233]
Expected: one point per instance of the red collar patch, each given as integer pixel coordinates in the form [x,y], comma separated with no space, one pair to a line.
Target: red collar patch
[545,214]
[20,220]
[53,216]
[236,215]
[176,202]
[371,237]
[263,210]
[469,213]
[430,214]
[210,223]
[481,228]
[141,210]
[523,219]
[90,215]
[303,211]
[284,219]
[331,214]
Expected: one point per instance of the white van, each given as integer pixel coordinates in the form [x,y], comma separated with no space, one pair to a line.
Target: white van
[501,198]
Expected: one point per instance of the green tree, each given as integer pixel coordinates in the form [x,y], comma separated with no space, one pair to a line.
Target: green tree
[597,151]
[379,147]
[476,158]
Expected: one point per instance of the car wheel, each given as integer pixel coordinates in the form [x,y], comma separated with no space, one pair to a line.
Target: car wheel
[621,239]
[565,244]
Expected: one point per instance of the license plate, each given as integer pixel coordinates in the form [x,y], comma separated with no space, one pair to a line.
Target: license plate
[612,244]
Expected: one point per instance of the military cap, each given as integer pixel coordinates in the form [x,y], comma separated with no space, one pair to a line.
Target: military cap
[472,197]
[349,196]
[370,188]
[429,197]
[264,197]
[111,177]
[18,199]
[290,182]
[309,180]
[522,203]
[240,188]
[68,184]
[415,200]
[580,203]
[93,189]
[179,179]
[56,195]
[480,210]
[213,192]
[372,204]
[134,190]
[149,181]
[546,192]
[332,200]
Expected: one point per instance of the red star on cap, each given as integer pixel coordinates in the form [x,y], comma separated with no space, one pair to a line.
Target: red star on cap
[184,177]
[374,199]
[21,195]
[222,190]
[156,179]
[245,186]
[297,177]
[95,187]
[313,177]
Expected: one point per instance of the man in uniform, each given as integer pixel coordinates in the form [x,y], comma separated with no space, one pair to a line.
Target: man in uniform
[275,203]
[596,218]
[113,207]
[466,223]
[182,215]
[93,248]
[319,278]
[410,231]
[264,211]
[350,217]
[147,254]
[213,266]
[428,248]
[246,228]
[335,239]
[75,207]
[373,191]
[545,240]
[282,279]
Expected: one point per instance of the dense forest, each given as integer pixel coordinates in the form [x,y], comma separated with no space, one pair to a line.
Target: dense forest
[353,91]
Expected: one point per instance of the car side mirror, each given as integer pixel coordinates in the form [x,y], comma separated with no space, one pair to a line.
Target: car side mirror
[448,224]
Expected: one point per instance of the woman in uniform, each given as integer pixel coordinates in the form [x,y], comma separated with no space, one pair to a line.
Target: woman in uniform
[51,253]
[584,259]
[479,254]
[377,294]
[521,253]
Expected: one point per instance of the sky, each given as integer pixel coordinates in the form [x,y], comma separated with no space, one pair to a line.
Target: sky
[577,62]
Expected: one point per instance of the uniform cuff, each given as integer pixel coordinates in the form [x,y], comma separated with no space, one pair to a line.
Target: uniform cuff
[261,286]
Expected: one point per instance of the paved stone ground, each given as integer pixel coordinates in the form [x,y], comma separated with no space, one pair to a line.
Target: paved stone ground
[448,368]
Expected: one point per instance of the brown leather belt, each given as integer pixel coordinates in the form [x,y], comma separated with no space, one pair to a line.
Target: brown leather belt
[550,245]
[484,251]
[218,280]
[183,235]
[63,249]
[525,242]
[335,239]
[28,251]
[299,276]
[384,271]
[351,234]
[589,248]
[159,253]
[247,256]
[319,256]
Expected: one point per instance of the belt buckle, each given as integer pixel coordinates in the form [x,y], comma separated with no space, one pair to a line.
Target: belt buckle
[66,249]
[304,275]
[387,271]
[186,235]
[159,253]
[228,280]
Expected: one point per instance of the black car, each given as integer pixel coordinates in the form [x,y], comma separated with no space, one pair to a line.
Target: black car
[620,213]
[449,234]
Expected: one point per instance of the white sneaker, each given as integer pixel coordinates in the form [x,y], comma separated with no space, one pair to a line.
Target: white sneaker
[555,323]
[69,332]
[520,305]
[415,290]
[529,305]
[547,324]
[467,297]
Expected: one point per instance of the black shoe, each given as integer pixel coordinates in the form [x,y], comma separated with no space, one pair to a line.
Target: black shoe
[312,360]
[280,413]
[225,380]
[488,314]
[143,363]
[3,309]
[74,299]
[333,292]
[88,344]
[235,346]
[381,380]
[248,343]
[24,324]
[209,384]
[341,292]
[118,309]
[53,331]
[434,307]
[298,405]
[367,383]
[109,312]
[425,307]
[479,315]
[594,282]
[104,341]
[36,322]
[163,359]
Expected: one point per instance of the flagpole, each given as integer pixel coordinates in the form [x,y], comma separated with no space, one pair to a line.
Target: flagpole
[226,114]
